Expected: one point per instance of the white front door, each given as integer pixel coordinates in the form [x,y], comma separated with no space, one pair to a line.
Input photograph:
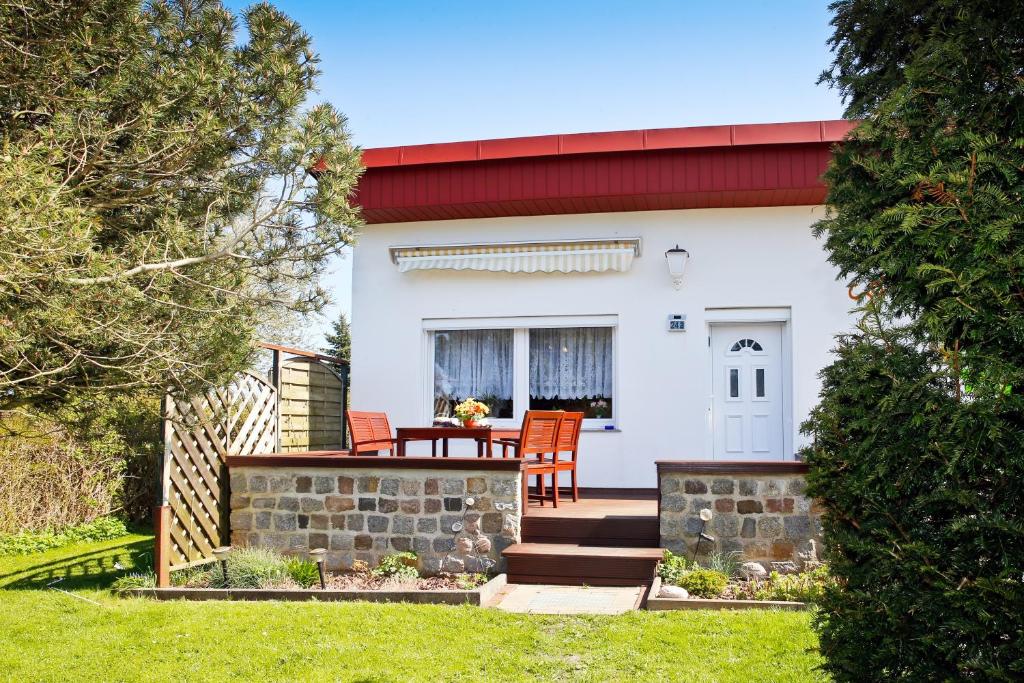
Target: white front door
[746,404]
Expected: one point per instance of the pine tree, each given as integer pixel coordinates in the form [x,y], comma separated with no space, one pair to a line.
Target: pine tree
[339,340]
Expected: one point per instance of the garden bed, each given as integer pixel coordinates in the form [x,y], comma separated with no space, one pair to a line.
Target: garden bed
[655,603]
[440,590]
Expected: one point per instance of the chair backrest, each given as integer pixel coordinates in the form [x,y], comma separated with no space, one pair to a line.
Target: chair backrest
[539,433]
[569,433]
[370,431]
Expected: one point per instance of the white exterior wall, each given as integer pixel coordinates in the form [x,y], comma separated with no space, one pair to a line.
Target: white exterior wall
[739,258]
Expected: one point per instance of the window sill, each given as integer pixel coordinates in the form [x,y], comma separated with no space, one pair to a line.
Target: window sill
[600,429]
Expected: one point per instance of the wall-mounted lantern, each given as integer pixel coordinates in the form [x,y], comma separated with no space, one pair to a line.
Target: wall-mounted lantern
[676,259]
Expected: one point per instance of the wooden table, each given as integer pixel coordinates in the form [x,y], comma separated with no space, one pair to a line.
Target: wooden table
[482,435]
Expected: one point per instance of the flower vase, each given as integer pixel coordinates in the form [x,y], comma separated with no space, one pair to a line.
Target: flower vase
[469,424]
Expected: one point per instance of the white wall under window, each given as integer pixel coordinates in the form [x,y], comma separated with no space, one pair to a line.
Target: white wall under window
[479,363]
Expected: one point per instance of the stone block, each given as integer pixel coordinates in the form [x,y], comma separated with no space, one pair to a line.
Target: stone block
[355,522]
[430,565]
[401,543]
[491,522]
[796,486]
[238,483]
[452,504]
[239,501]
[749,528]
[797,527]
[282,484]
[311,504]
[453,565]
[420,545]
[722,486]
[303,484]
[410,506]
[782,550]
[483,504]
[339,503]
[363,542]
[275,541]
[431,487]
[368,484]
[318,541]
[241,521]
[773,487]
[726,526]
[321,521]
[389,487]
[341,541]
[673,502]
[410,487]
[289,503]
[338,521]
[377,523]
[387,505]
[303,521]
[694,486]
[444,544]
[698,504]
[298,543]
[671,527]
[368,504]
[264,503]
[285,521]
[345,484]
[504,487]
[748,487]
[676,546]
[749,507]
[426,525]
[432,505]
[447,521]
[403,524]
[262,520]
[476,485]
[258,484]
[769,527]
[694,525]
[323,485]
[725,505]
[729,545]
[453,486]
[777,505]
[669,484]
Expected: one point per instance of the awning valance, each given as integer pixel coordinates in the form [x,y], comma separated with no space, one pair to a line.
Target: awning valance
[566,256]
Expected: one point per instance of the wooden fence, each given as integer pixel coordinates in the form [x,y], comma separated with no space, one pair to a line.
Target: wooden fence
[300,407]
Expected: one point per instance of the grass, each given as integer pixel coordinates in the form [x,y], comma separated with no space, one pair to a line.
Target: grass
[48,635]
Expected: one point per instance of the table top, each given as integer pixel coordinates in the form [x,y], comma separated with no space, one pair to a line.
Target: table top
[444,432]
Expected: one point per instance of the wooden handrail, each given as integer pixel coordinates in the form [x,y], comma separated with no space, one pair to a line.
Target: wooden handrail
[300,352]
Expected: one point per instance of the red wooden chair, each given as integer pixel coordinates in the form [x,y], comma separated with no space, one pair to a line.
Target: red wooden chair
[537,436]
[569,442]
[370,432]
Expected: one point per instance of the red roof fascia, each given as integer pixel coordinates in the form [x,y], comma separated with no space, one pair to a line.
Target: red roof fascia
[617,141]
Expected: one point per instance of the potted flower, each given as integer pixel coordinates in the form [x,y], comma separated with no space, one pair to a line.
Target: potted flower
[470,412]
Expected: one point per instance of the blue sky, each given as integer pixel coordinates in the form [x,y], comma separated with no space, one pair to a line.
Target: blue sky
[416,72]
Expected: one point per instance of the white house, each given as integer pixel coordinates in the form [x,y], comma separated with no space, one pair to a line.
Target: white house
[542,272]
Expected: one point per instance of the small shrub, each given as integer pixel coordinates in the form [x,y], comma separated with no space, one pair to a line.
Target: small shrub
[672,568]
[400,566]
[303,572]
[255,568]
[123,584]
[805,587]
[704,583]
[102,529]
[727,563]
[200,576]
[468,582]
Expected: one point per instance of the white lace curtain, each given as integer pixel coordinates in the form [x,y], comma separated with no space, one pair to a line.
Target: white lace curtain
[571,363]
[475,363]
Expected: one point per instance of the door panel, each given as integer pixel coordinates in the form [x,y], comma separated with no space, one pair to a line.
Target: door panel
[746,404]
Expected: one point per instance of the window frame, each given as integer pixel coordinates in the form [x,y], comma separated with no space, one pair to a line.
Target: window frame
[520,326]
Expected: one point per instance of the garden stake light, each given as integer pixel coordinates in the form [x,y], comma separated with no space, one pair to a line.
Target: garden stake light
[319,556]
[705,517]
[222,554]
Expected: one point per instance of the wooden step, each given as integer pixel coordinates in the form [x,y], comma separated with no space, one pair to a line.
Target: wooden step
[638,531]
[575,564]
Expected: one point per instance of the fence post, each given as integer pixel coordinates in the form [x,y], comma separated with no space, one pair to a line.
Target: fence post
[344,405]
[162,551]
[275,379]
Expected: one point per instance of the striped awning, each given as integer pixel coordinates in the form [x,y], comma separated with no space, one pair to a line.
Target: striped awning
[569,256]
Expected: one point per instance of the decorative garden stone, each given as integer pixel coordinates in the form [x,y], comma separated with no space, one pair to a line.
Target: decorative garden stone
[753,571]
[673,592]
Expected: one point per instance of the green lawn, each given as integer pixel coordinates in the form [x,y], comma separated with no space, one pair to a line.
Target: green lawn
[47,635]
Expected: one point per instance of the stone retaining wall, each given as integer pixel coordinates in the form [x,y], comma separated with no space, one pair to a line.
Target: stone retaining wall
[758,509]
[454,520]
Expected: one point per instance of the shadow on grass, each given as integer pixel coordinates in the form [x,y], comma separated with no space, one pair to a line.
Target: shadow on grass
[91,568]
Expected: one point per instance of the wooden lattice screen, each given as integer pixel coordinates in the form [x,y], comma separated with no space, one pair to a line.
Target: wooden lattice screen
[311,406]
[239,419]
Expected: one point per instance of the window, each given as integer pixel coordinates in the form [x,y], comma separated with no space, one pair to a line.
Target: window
[519,368]
[473,363]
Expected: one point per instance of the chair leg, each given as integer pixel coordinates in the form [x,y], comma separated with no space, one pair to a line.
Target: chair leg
[575,490]
[540,488]
[554,488]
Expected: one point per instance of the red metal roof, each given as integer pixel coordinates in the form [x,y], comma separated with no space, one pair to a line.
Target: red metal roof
[774,164]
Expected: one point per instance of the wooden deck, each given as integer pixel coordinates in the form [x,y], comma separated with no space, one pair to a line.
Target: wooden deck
[607,538]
